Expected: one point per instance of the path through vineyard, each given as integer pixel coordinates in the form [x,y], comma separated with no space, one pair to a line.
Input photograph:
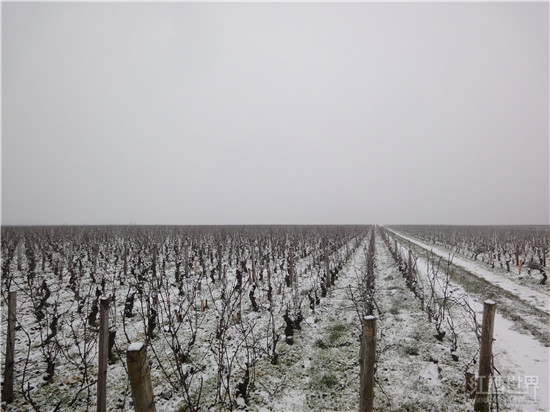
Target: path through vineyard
[521,327]
[413,370]
[322,368]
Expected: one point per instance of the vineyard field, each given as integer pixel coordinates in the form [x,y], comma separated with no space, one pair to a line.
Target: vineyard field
[271,318]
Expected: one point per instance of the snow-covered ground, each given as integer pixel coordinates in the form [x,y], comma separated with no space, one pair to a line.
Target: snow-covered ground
[537,298]
[417,371]
[320,371]
[414,370]
[270,380]
[522,359]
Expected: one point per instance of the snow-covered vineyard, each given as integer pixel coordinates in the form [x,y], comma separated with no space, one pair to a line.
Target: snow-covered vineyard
[265,318]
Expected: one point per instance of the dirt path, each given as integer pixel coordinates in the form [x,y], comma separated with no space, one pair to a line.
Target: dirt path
[526,317]
[519,353]
[535,295]
[320,371]
[415,370]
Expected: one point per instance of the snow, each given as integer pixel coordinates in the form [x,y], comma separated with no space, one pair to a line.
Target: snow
[430,374]
[135,347]
[520,354]
[525,357]
[419,369]
[535,298]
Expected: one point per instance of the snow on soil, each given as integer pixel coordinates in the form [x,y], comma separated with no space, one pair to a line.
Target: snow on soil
[525,357]
[536,298]
[414,370]
[320,371]
[517,355]
[271,381]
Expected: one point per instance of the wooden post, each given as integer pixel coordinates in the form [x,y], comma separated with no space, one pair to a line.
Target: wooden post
[95,250]
[70,262]
[7,388]
[125,261]
[103,355]
[253,277]
[327,267]
[410,270]
[219,260]
[291,263]
[186,258]
[366,361]
[139,373]
[154,261]
[485,357]
[19,253]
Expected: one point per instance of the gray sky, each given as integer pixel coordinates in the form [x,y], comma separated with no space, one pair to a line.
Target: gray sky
[199,113]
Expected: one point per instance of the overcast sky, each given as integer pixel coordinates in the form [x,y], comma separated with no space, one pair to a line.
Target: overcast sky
[196,113]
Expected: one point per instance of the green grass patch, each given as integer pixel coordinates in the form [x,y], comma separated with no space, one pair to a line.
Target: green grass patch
[320,343]
[336,332]
[324,383]
[411,350]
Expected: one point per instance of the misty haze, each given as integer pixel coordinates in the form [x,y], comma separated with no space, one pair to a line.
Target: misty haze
[275,207]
